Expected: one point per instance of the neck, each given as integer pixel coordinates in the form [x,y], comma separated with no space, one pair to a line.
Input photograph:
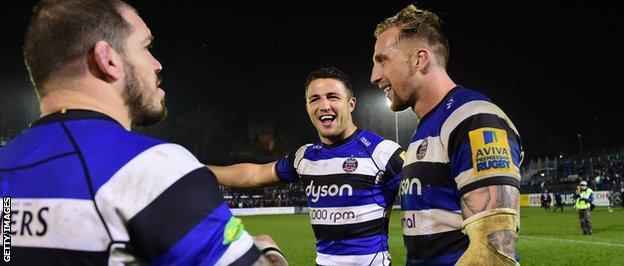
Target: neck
[436,86]
[93,96]
[351,128]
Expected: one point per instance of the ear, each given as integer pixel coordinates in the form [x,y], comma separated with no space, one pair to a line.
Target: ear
[108,61]
[352,103]
[420,59]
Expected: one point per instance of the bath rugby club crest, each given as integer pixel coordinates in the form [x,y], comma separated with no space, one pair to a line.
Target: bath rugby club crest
[422,150]
[349,165]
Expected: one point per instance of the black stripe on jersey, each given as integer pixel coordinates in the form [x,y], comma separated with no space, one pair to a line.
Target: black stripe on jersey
[496,180]
[291,162]
[356,181]
[350,231]
[431,174]
[53,256]
[249,258]
[174,213]
[394,165]
[459,135]
[430,246]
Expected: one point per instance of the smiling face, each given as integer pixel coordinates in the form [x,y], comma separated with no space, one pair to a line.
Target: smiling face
[142,95]
[392,71]
[329,106]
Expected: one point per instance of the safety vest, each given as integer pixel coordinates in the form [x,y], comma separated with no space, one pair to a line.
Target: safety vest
[580,204]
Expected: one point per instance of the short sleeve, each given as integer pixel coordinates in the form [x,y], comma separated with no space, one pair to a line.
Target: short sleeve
[286,167]
[484,149]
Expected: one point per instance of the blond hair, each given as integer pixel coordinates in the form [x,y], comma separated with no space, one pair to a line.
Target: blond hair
[421,24]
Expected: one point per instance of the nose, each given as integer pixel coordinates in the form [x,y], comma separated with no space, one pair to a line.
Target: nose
[324,104]
[157,66]
[375,75]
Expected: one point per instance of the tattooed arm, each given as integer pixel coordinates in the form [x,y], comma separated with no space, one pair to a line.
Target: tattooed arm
[489,198]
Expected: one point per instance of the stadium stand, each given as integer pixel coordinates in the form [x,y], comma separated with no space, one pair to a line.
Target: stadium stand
[602,169]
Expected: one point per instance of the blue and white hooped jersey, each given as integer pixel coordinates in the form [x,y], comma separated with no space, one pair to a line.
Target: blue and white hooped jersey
[464,143]
[85,191]
[350,186]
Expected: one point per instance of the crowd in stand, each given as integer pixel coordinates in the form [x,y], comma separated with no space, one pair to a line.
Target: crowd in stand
[606,173]
[285,195]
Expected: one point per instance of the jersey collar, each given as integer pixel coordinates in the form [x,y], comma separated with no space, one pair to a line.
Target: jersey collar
[73,114]
[428,114]
[342,141]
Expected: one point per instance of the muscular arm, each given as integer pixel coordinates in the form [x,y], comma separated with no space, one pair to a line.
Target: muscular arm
[270,257]
[245,175]
[273,259]
[489,198]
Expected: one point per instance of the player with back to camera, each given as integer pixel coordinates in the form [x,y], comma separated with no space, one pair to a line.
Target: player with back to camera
[98,193]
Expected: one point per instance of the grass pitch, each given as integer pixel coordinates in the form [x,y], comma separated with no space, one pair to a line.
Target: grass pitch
[545,238]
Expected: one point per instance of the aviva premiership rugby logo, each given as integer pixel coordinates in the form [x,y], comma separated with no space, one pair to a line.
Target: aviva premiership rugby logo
[422,150]
[491,152]
[349,165]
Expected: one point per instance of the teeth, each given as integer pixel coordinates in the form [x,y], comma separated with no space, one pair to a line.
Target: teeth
[387,88]
[326,117]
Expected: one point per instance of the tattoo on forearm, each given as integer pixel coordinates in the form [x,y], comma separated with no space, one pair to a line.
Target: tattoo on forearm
[504,241]
[492,197]
[487,198]
[473,206]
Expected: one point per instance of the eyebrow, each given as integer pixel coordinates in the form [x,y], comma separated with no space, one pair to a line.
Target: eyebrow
[327,94]
[379,57]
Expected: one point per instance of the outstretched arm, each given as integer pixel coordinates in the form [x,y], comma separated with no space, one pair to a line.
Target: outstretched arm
[245,175]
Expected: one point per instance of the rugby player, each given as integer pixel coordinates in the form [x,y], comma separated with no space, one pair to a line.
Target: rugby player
[351,176]
[85,190]
[459,194]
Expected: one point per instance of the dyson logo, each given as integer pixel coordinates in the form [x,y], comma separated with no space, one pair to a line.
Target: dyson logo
[317,192]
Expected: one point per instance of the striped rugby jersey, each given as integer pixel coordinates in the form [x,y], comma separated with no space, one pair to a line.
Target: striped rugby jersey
[86,191]
[465,142]
[351,187]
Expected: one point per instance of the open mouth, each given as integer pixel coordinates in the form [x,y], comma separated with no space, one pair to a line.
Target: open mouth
[327,120]
[386,90]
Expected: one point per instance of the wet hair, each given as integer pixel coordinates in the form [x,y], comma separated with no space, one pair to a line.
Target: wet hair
[332,73]
[61,32]
[420,24]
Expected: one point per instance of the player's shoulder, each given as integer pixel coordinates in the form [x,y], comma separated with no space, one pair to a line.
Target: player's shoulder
[109,150]
[133,156]
[461,98]
[463,104]
[374,141]
[165,154]
[159,165]
[306,148]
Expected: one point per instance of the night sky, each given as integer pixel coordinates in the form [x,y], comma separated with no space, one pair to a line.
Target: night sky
[552,67]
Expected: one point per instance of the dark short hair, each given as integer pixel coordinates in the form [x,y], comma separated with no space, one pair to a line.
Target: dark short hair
[63,31]
[331,73]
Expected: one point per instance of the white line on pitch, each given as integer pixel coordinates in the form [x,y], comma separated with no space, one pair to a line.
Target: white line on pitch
[575,241]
